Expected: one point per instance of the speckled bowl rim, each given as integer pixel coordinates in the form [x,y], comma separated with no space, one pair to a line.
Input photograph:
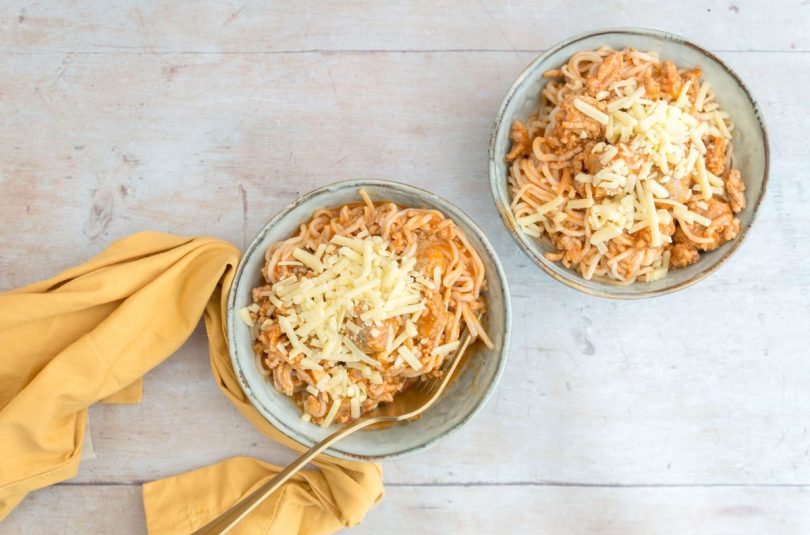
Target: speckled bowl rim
[572,279]
[457,214]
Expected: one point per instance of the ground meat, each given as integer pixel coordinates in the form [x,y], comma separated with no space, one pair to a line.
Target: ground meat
[731,230]
[267,342]
[606,73]
[588,160]
[373,339]
[316,406]
[724,226]
[693,75]
[570,248]
[572,125]
[385,392]
[434,318]
[268,361]
[683,255]
[521,143]
[735,189]
[282,379]
[270,336]
[668,79]
[569,243]
[680,237]
[652,89]
[261,291]
[428,258]
[716,155]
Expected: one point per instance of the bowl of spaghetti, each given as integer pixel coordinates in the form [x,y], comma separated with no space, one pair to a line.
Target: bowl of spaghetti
[628,163]
[355,293]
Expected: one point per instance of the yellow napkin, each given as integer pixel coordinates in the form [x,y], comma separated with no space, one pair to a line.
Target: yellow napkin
[91,333]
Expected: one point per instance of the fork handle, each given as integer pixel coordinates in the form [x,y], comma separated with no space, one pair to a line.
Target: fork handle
[227,520]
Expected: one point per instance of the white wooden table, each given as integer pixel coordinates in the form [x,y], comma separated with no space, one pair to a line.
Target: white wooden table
[684,413]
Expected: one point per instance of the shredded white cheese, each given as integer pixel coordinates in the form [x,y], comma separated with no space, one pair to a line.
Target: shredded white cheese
[539,215]
[244,315]
[591,112]
[330,416]
[446,348]
[355,285]
[408,356]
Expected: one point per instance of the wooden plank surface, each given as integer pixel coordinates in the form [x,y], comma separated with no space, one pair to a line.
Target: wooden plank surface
[208,118]
[476,509]
[242,27]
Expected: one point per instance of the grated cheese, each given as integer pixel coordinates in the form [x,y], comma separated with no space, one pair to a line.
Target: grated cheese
[657,189]
[703,178]
[357,284]
[542,210]
[652,219]
[701,96]
[608,154]
[683,96]
[625,102]
[590,111]
[445,348]
[247,319]
[308,259]
[608,232]
[330,416]
[408,356]
[578,204]
[351,243]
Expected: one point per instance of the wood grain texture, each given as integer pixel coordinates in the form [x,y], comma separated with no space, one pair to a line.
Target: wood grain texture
[208,118]
[576,510]
[258,27]
[477,509]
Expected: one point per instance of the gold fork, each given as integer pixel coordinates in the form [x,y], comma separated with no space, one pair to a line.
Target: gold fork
[405,406]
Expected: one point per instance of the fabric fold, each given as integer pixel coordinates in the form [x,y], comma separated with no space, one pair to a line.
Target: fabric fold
[91,333]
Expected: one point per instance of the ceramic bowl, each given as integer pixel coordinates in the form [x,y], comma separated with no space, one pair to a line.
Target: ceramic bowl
[749,138]
[464,397]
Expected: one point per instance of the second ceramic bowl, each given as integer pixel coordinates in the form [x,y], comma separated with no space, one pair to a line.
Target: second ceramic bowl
[749,138]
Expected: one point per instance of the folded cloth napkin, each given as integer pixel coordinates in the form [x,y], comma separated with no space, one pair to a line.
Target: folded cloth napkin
[91,333]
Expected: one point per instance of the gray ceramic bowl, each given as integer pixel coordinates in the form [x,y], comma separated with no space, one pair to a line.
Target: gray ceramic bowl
[465,395]
[749,138]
